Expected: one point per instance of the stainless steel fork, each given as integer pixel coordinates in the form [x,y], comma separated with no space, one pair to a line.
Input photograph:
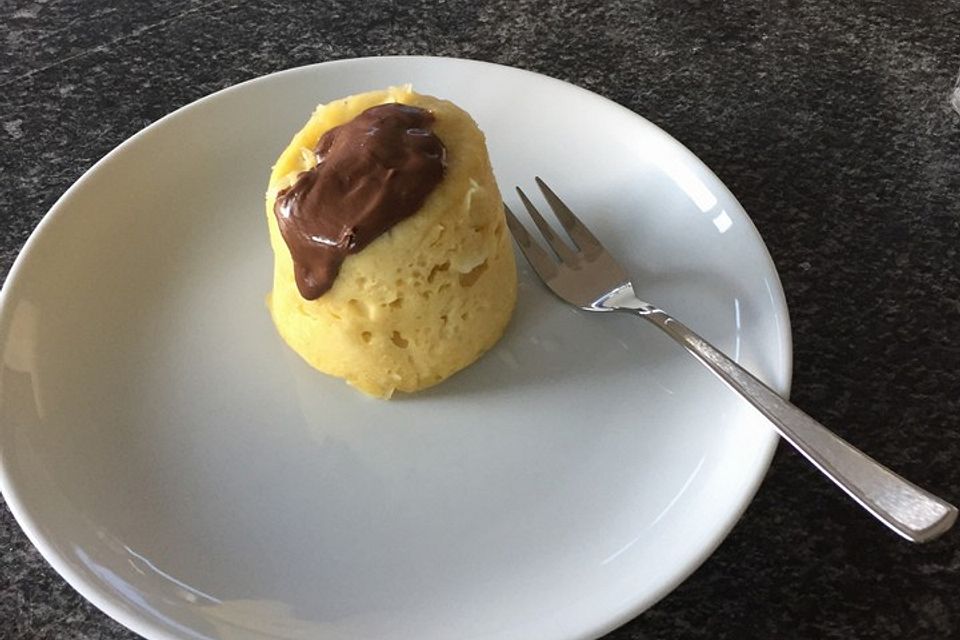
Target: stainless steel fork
[585,275]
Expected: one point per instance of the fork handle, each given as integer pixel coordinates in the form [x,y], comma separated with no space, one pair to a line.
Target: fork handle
[915,514]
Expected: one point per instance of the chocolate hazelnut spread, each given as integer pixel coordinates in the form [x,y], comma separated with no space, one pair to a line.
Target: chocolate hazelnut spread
[371,173]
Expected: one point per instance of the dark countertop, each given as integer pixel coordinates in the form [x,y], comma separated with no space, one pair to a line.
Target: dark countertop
[831,122]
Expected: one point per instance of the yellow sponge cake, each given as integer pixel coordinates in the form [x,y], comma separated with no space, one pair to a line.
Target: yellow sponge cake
[393,266]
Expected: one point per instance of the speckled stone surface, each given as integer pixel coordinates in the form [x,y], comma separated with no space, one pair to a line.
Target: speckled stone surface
[830,121]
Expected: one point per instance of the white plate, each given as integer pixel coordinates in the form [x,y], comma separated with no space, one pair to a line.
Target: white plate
[184,471]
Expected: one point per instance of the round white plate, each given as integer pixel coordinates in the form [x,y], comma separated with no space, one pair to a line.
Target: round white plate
[188,474]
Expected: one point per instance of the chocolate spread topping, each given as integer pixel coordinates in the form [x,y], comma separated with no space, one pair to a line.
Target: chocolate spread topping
[371,173]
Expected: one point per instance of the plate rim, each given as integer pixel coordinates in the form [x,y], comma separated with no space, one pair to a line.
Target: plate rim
[146,626]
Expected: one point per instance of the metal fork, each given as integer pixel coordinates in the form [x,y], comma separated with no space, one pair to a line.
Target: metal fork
[585,275]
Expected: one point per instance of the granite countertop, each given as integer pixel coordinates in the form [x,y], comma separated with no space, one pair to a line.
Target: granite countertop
[831,122]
